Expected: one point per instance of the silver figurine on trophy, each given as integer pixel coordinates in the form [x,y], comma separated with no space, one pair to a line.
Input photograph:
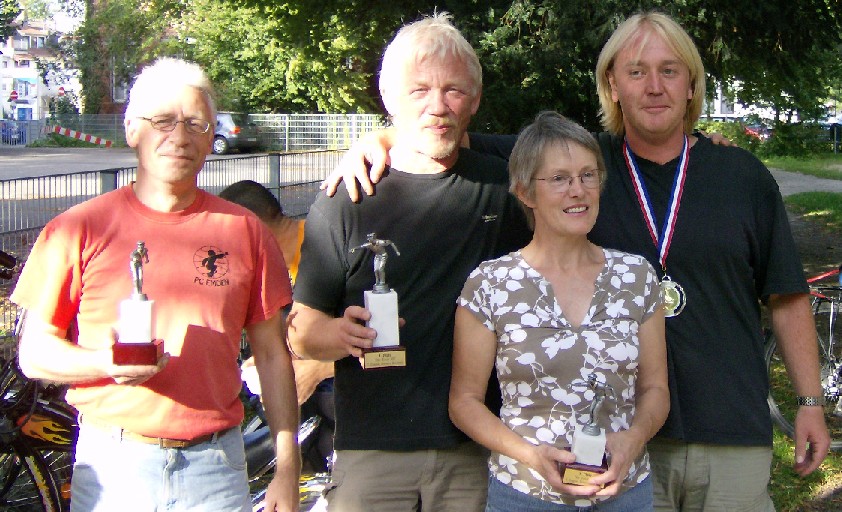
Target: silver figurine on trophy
[136,343]
[589,441]
[382,302]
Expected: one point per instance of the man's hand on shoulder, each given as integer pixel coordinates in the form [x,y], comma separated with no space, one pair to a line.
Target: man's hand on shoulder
[362,165]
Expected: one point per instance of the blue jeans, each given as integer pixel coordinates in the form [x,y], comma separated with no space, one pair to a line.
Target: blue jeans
[115,474]
[503,498]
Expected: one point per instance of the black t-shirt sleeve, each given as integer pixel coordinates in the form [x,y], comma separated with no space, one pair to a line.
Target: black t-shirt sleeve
[496,145]
[320,283]
[779,269]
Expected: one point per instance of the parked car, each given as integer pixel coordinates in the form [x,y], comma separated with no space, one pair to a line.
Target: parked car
[234,131]
[12,133]
[758,131]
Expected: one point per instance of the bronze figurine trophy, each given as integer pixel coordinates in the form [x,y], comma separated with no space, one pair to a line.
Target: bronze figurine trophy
[382,302]
[136,344]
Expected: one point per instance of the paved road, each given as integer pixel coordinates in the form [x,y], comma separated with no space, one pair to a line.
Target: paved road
[17,162]
[23,162]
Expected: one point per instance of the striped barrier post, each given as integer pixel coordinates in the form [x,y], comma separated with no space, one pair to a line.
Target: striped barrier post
[80,136]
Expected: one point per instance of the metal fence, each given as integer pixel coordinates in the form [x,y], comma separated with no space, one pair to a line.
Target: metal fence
[27,204]
[278,132]
[20,133]
[294,132]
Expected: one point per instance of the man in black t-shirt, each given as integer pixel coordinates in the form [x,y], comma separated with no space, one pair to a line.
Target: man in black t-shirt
[446,210]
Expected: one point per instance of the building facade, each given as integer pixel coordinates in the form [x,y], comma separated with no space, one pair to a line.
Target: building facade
[24,92]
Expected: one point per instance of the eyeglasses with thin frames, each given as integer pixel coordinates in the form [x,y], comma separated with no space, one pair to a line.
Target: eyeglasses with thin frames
[559,183]
[168,124]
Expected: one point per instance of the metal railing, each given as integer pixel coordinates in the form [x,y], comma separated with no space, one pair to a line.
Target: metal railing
[27,204]
[278,132]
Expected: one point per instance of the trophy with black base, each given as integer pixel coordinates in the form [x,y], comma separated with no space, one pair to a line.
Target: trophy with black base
[588,442]
[382,302]
[135,344]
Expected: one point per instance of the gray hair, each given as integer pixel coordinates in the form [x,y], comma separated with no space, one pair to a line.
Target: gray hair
[163,76]
[432,36]
[548,129]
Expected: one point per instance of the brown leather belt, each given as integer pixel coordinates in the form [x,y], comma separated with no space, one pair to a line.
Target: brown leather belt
[162,442]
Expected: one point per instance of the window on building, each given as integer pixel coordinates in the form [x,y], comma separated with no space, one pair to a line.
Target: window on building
[21,42]
[120,93]
[40,42]
[23,63]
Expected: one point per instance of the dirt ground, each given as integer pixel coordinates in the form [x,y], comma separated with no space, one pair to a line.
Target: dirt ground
[820,247]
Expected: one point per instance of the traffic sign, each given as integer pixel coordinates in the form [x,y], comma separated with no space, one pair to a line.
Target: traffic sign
[61,91]
[13,96]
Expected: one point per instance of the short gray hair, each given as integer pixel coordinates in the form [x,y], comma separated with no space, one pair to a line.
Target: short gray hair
[548,129]
[163,76]
[432,36]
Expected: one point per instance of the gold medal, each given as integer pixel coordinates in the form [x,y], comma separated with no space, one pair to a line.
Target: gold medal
[673,297]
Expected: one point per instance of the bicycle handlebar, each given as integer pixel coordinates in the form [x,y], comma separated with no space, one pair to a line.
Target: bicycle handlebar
[825,275]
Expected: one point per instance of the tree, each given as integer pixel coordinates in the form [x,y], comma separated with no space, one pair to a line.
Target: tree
[116,37]
[9,10]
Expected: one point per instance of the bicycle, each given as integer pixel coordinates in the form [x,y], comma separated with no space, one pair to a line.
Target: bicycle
[826,300]
[38,433]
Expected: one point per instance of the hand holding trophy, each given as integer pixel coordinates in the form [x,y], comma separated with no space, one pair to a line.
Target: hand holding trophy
[135,344]
[589,441]
[382,302]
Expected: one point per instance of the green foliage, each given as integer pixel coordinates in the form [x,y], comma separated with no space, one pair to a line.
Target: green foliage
[9,10]
[36,9]
[64,105]
[304,56]
[115,38]
[731,130]
[797,140]
[826,165]
[53,140]
[823,207]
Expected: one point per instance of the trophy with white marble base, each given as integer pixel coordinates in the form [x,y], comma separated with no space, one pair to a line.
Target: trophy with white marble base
[588,443]
[382,302]
[135,342]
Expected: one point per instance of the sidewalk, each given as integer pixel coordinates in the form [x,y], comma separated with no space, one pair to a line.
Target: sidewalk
[793,183]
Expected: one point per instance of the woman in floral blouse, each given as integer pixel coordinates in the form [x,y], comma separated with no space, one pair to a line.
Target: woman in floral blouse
[549,317]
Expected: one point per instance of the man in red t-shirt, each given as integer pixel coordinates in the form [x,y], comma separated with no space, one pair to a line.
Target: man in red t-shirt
[154,436]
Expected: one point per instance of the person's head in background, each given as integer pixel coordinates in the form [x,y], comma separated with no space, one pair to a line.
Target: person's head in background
[288,232]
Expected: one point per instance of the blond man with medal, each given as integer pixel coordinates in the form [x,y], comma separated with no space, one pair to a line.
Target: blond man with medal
[724,246]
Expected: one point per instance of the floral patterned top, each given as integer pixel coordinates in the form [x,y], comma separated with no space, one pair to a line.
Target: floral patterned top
[543,362]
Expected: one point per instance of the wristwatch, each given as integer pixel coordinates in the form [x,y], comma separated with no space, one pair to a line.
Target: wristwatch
[810,400]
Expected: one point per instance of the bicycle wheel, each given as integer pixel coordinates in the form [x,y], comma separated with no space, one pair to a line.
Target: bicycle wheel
[29,484]
[782,396]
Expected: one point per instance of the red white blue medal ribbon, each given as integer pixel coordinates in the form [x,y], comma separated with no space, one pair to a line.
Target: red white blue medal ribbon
[662,238]
[672,293]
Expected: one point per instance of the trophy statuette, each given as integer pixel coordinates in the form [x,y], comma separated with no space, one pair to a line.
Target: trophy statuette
[135,343]
[588,442]
[382,302]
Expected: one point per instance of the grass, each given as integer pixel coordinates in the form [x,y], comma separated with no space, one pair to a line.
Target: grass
[821,491]
[823,207]
[822,166]
[52,140]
